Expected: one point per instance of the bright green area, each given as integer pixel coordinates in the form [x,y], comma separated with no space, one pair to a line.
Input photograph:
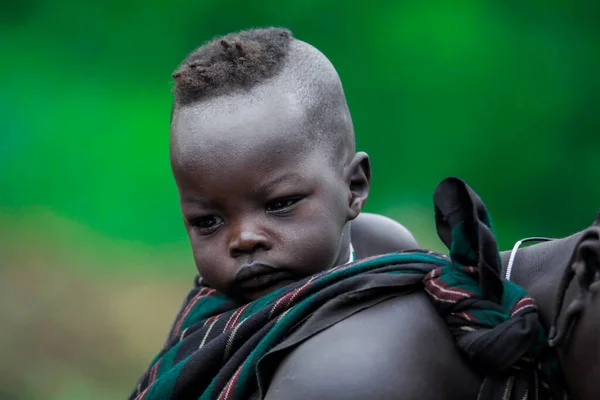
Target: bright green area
[505,97]
[502,94]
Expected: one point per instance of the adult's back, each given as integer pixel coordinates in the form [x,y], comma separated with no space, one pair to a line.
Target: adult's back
[397,349]
[401,348]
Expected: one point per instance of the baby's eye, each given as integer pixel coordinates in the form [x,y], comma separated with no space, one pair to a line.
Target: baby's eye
[281,204]
[207,223]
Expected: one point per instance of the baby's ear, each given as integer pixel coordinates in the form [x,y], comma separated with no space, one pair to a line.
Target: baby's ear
[358,177]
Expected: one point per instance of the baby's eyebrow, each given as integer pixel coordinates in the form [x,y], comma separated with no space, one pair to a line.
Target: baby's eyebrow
[196,200]
[292,177]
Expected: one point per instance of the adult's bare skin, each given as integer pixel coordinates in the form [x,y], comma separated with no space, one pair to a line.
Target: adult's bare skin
[580,357]
[398,349]
[382,352]
[374,234]
[540,268]
[402,349]
[580,353]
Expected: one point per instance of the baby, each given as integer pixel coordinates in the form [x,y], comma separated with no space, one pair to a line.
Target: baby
[271,190]
[264,158]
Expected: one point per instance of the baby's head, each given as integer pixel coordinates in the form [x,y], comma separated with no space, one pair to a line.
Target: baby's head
[263,154]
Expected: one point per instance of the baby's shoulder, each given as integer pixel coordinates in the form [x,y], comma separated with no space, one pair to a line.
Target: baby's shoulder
[374,234]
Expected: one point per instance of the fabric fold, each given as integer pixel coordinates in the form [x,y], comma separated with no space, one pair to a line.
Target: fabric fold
[216,348]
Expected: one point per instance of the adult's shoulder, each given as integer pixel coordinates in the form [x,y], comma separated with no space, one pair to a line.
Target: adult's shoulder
[374,234]
[399,348]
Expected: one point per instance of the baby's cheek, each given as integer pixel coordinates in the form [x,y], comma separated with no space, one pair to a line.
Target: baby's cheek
[318,226]
[211,267]
[318,243]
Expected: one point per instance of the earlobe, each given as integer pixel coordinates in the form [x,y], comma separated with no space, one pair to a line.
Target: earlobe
[358,178]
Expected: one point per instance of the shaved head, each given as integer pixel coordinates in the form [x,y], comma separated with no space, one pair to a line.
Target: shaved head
[234,73]
[319,89]
[263,156]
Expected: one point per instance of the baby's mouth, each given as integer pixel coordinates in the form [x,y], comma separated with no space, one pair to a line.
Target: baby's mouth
[257,277]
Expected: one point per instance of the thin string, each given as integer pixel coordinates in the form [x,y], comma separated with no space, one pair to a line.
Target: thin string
[351,257]
[513,253]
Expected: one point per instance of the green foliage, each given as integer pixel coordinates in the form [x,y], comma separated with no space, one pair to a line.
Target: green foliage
[503,95]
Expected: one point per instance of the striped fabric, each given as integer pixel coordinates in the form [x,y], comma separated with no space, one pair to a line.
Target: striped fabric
[215,344]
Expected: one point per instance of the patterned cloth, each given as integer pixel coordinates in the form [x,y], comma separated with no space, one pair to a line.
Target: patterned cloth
[215,345]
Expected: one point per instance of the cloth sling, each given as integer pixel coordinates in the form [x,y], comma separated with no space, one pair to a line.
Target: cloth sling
[215,344]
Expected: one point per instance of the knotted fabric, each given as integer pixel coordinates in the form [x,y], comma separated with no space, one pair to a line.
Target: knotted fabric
[215,344]
[493,321]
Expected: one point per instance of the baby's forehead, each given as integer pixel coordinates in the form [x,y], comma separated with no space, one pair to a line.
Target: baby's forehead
[244,159]
[258,124]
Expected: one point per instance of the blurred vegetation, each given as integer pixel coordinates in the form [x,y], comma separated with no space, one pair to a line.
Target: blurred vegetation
[93,256]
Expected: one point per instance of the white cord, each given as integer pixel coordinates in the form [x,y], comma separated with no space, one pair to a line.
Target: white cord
[513,253]
[351,257]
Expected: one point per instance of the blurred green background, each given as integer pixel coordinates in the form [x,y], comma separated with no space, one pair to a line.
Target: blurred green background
[94,260]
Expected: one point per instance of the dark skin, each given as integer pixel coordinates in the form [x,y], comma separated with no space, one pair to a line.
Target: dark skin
[252,188]
[539,268]
[397,349]
[410,347]
[253,191]
[580,357]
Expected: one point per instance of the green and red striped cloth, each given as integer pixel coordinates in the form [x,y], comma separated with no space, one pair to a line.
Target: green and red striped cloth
[215,344]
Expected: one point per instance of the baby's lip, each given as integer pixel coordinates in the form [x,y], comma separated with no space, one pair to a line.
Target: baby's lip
[257,276]
[252,270]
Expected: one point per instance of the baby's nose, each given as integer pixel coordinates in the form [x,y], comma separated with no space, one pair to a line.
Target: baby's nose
[248,241]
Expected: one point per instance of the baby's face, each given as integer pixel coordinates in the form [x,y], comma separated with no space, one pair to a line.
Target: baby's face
[261,207]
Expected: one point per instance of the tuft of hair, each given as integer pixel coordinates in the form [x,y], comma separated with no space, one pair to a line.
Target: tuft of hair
[237,60]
